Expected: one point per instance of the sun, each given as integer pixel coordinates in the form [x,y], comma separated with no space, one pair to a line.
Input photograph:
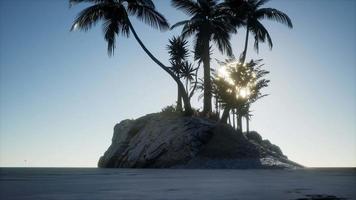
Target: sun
[240,91]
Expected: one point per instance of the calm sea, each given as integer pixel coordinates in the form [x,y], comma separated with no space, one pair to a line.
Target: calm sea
[182,184]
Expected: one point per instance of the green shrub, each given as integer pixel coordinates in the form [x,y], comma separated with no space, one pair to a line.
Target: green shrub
[171,111]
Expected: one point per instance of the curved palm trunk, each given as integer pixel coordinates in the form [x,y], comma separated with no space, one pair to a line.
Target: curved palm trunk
[243,61]
[207,81]
[244,53]
[187,106]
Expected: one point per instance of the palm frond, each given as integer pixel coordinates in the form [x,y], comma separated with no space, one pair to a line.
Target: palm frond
[75,2]
[177,49]
[110,29]
[260,3]
[226,61]
[181,23]
[148,15]
[274,14]
[148,3]
[188,6]
[222,40]
[90,16]
[193,26]
[261,34]
[188,71]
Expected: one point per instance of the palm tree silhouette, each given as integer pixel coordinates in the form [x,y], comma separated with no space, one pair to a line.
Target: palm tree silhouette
[178,51]
[249,14]
[208,22]
[254,15]
[115,16]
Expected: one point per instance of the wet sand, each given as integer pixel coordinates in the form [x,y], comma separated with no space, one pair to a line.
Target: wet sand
[177,184]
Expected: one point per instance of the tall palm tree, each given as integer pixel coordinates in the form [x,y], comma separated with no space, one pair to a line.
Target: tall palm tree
[178,51]
[115,17]
[253,16]
[249,14]
[208,22]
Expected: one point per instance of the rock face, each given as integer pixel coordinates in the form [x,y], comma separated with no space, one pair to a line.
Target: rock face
[171,141]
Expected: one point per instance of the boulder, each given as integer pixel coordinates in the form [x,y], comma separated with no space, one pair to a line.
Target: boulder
[173,141]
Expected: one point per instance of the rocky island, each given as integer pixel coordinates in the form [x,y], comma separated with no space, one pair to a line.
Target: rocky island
[172,141]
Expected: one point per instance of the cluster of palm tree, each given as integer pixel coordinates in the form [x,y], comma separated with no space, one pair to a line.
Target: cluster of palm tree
[210,22]
[237,87]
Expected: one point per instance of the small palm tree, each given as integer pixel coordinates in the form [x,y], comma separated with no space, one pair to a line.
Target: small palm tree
[178,52]
[115,17]
[208,22]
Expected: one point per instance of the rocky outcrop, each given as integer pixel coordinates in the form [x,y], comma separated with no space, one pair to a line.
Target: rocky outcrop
[172,141]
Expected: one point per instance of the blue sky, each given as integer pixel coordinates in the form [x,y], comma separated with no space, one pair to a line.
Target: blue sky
[61,95]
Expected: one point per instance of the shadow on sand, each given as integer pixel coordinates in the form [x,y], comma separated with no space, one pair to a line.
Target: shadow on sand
[321,197]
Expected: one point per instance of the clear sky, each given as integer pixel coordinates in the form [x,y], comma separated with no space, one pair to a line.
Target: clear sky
[61,95]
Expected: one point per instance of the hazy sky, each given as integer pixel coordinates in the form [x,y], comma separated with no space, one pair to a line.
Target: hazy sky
[61,95]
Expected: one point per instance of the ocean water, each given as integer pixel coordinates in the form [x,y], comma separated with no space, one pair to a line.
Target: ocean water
[178,184]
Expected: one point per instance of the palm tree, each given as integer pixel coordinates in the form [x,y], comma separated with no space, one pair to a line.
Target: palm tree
[178,51]
[115,17]
[249,14]
[208,22]
[254,15]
